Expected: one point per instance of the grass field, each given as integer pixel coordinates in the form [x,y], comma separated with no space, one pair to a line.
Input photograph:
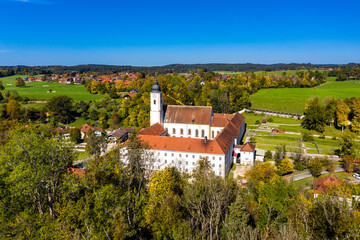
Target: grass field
[39,90]
[292,137]
[292,100]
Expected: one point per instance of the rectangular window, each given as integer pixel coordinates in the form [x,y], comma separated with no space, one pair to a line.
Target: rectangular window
[213,165]
[193,163]
[165,161]
[174,131]
[193,156]
[165,154]
[187,155]
[179,154]
[219,165]
[173,155]
[219,173]
[154,101]
[202,133]
[213,158]
[187,163]
[181,131]
[212,134]
[189,132]
[196,133]
[220,158]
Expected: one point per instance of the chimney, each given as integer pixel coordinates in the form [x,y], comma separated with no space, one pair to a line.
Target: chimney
[205,139]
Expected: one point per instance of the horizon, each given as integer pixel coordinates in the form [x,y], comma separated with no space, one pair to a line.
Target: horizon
[139,33]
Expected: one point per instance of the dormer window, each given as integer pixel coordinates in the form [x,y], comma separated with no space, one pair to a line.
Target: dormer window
[189,132]
[202,133]
[196,133]
[181,131]
[174,131]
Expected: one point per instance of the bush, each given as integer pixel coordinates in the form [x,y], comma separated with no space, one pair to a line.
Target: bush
[299,166]
[257,122]
[306,136]
[268,155]
[270,119]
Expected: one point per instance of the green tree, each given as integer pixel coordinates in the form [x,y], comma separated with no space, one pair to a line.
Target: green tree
[60,107]
[315,117]
[95,144]
[1,86]
[316,166]
[75,135]
[347,144]
[33,164]
[19,82]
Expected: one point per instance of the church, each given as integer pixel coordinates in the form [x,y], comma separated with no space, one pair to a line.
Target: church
[180,135]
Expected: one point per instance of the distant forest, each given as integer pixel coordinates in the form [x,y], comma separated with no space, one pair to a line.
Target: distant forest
[179,68]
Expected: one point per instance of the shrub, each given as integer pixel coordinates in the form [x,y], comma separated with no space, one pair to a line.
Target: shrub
[270,119]
[257,122]
[306,136]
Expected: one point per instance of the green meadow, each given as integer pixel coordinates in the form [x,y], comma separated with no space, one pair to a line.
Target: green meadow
[292,100]
[39,90]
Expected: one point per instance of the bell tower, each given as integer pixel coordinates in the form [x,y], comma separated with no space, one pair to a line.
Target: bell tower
[156,103]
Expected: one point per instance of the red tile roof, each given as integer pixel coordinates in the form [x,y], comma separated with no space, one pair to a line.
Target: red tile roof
[85,128]
[183,144]
[322,184]
[219,121]
[248,147]
[154,130]
[188,114]
[78,171]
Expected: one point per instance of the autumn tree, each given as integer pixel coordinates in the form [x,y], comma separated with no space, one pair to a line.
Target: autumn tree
[342,111]
[163,211]
[355,122]
[13,109]
[285,166]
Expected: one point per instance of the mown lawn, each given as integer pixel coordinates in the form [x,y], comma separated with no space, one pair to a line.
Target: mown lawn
[270,142]
[39,90]
[292,100]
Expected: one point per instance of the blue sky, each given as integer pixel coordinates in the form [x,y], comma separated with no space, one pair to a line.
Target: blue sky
[148,33]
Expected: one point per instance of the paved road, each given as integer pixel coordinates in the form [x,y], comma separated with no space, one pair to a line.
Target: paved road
[299,176]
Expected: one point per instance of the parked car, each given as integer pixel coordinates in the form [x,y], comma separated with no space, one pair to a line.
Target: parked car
[356,175]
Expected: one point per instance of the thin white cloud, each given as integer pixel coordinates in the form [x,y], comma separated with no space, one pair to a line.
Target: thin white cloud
[42,2]
[4,51]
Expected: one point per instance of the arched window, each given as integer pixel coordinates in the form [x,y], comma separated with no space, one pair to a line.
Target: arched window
[196,133]
[202,133]
[189,132]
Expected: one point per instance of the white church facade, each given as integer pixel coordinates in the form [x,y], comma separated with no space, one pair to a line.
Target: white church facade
[180,135]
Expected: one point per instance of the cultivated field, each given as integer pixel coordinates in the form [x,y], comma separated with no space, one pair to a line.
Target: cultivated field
[292,100]
[39,90]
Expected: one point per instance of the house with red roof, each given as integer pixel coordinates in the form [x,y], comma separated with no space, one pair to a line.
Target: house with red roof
[86,127]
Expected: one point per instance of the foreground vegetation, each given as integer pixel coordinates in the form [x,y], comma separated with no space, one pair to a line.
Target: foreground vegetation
[118,198]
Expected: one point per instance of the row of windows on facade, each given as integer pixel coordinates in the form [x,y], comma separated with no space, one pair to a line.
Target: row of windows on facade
[187,155]
[196,132]
[186,170]
[186,162]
